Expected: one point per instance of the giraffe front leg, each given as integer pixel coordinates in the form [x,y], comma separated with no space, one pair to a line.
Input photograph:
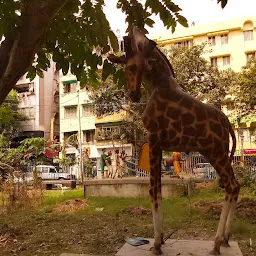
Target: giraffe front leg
[156,197]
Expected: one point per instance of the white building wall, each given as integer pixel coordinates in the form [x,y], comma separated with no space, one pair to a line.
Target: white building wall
[40,101]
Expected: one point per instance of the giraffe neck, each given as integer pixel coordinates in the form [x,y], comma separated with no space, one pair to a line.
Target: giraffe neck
[162,74]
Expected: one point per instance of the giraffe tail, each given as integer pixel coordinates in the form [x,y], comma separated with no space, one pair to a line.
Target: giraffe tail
[233,136]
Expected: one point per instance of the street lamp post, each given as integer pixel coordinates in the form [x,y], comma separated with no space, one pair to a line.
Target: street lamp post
[242,145]
[80,139]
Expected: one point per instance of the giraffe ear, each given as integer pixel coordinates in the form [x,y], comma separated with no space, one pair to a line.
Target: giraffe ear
[140,43]
[139,40]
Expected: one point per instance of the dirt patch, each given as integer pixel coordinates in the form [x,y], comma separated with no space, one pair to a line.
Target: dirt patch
[71,205]
[137,211]
[246,207]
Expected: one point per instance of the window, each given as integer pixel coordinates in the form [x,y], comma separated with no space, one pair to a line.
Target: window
[250,56]
[69,87]
[107,133]
[111,131]
[248,35]
[214,61]
[52,170]
[29,87]
[71,137]
[89,136]
[70,112]
[186,43]
[226,60]
[212,40]
[87,110]
[44,169]
[244,135]
[224,39]
[29,112]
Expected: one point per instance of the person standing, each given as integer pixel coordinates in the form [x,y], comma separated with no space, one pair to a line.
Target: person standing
[109,164]
[168,164]
[177,162]
[118,165]
[123,163]
[103,159]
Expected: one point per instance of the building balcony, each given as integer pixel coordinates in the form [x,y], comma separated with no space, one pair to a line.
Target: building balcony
[117,117]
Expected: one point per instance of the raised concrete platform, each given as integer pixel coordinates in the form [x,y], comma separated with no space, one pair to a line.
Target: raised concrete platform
[136,186]
[180,247]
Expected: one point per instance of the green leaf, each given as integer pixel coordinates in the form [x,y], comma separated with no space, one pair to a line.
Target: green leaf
[119,78]
[113,41]
[223,2]
[65,67]
[31,73]
[108,69]
[183,21]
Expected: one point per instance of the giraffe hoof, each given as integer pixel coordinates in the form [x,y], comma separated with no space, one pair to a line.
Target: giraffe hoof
[157,251]
[215,252]
[225,243]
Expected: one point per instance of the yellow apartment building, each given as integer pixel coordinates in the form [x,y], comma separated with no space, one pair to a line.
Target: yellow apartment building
[231,44]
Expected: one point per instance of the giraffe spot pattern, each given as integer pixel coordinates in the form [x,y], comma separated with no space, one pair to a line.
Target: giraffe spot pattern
[175,141]
[200,130]
[161,106]
[200,113]
[163,122]
[189,130]
[185,140]
[216,128]
[173,113]
[152,126]
[176,125]
[205,141]
[186,103]
[163,135]
[152,139]
[187,119]
[170,95]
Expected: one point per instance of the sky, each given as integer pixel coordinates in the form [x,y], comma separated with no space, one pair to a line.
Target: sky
[199,11]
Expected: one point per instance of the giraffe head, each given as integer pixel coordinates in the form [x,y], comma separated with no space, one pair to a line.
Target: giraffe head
[138,49]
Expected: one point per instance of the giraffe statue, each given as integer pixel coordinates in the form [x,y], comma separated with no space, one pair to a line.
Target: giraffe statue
[176,121]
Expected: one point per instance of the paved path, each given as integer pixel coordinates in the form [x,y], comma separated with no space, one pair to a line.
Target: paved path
[174,247]
[180,247]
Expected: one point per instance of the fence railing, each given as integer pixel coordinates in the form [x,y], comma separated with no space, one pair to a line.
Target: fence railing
[195,165]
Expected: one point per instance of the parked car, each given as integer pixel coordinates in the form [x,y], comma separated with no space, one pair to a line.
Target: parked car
[204,170]
[49,172]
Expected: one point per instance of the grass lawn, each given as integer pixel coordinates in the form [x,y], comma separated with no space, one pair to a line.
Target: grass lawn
[101,224]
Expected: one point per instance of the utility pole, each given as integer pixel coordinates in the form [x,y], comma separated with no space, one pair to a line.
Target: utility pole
[80,138]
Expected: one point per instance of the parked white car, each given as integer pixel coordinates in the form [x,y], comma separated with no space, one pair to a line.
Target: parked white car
[49,172]
[204,170]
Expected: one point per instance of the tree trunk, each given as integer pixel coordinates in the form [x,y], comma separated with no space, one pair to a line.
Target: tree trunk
[18,49]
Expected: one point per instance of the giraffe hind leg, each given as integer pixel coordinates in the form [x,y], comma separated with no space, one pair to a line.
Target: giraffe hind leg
[235,192]
[227,213]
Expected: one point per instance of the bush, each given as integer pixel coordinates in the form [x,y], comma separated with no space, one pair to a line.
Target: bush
[245,177]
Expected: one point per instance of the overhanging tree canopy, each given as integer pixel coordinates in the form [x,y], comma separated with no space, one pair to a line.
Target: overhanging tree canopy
[72,31]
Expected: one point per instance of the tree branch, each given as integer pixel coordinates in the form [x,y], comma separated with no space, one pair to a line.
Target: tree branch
[29,37]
